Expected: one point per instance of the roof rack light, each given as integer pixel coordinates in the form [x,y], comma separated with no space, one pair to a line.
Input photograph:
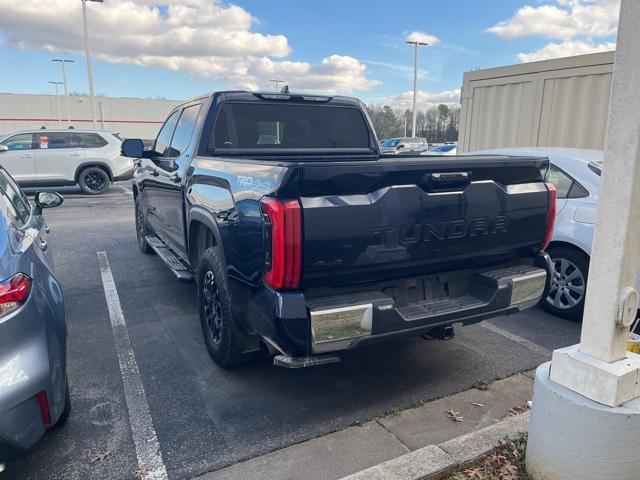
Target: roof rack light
[275,96]
[308,98]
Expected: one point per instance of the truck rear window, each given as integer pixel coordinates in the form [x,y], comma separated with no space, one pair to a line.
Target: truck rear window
[287,126]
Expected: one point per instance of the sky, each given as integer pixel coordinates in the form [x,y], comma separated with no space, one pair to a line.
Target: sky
[177,49]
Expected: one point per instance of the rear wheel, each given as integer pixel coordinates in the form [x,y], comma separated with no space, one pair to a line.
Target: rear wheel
[94,181]
[569,283]
[219,329]
[141,228]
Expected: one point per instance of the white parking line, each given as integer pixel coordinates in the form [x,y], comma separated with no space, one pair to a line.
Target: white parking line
[517,338]
[144,435]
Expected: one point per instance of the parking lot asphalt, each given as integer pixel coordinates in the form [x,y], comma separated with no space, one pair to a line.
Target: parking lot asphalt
[202,417]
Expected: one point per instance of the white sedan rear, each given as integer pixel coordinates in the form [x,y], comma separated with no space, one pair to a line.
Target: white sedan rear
[576,176]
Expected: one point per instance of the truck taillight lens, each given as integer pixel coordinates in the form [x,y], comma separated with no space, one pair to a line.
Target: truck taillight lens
[551,216]
[284,261]
[13,293]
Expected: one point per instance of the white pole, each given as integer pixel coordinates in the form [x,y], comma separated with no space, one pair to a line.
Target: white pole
[100,105]
[415,89]
[616,246]
[58,106]
[64,80]
[89,68]
[600,368]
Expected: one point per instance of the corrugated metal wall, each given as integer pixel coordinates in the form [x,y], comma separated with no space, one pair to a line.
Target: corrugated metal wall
[560,103]
[131,117]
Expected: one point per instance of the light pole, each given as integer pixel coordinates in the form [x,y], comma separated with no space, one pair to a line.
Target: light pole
[55,84]
[64,79]
[585,417]
[276,83]
[88,54]
[415,82]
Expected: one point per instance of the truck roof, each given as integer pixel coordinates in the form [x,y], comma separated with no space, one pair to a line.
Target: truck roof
[247,96]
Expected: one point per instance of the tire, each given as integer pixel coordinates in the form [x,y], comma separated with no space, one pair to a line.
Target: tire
[67,409]
[569,283]
[219,329]
[94,181]
[141,229]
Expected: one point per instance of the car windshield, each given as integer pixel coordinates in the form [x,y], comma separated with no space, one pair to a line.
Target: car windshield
[596,167]
[444,148]
[390,143]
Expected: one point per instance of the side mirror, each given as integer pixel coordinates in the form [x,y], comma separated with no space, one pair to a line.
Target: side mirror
[4,148]
[132,147]
[47,200]
[399,147]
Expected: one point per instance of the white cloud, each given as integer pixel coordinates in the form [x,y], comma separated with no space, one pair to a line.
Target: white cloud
[424,99]
[582,26]
[206,38]
[565,49]
[422,37]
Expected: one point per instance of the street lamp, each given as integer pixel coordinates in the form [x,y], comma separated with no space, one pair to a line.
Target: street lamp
[64,79]
[88,54]
[55,84]
[415,82]
[276,83]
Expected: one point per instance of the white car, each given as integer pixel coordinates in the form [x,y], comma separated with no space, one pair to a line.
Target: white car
[576,176]
[88,158]
[444,149]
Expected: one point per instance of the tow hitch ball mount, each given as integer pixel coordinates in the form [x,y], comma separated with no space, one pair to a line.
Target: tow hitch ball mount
[445,332]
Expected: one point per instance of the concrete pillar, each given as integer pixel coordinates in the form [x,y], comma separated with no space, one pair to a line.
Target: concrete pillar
[600,368]
[585,419]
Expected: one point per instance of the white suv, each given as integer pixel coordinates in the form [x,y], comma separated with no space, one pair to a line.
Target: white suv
[88,158]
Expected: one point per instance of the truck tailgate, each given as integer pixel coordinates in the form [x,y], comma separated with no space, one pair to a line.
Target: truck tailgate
[367,221]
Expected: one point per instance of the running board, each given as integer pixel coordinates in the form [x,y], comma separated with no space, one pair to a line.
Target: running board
[181,270]
[301,362]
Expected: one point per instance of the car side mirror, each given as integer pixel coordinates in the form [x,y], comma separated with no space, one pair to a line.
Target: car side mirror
[399,147]
[4,148]
[47,200]
[132,147]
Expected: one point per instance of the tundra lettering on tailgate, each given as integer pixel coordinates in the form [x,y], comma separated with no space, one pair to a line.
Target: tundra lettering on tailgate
[445,230]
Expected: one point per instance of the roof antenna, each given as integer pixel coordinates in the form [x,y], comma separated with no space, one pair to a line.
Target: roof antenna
[285,89]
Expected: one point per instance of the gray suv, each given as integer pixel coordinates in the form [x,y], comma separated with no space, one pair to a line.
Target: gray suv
[34,393]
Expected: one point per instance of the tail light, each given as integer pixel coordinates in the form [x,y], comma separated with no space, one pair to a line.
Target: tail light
[284,261]
[13,293]
[45,413]
[551,216]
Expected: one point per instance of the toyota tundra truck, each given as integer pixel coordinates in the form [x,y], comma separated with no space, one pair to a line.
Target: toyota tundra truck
[304,241]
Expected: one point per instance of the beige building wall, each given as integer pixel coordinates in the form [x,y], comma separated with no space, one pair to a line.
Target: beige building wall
[131,117]
[560,103]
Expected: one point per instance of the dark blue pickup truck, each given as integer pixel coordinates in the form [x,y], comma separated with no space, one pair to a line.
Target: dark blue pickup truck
[304,239]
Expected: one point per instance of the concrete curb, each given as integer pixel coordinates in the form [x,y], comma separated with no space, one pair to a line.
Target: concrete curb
[433,462]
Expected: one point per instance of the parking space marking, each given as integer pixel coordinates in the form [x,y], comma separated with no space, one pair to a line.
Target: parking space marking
[517,338]
[144,435]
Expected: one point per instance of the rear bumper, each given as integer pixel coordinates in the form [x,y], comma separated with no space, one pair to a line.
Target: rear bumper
[330,324]
[126,175]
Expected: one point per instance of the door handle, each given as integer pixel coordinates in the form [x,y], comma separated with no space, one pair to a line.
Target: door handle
[175,178]
[75,154]
[26,156]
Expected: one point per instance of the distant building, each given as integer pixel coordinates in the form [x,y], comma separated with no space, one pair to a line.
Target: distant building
[131,117]
[559,103]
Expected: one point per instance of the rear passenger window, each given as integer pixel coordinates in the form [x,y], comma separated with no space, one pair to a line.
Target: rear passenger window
[184,130]
[87,140]
[54,140]
[560,180]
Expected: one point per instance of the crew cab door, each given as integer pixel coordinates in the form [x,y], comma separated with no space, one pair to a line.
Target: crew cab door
[19,160]
[164,178]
